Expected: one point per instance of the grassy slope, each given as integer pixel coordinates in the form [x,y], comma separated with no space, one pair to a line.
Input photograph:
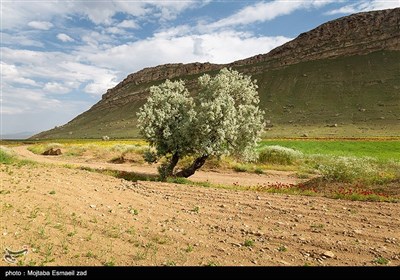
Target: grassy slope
[298,99]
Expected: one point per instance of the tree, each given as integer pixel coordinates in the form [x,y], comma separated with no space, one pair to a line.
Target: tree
[222,119]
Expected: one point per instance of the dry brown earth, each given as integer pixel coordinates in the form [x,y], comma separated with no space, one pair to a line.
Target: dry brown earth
[76,217]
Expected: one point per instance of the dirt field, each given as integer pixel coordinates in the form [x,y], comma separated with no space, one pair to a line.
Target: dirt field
[75,217]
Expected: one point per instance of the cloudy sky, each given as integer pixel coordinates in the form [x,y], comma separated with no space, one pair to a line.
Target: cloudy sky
[59,57]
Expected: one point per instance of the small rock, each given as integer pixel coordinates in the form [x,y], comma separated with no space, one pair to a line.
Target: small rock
[258,197]
[283,262]
[254,261]
[329,254]
[92,206]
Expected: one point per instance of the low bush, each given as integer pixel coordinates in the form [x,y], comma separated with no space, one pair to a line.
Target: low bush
[6,155]
[348,169]
[279,155]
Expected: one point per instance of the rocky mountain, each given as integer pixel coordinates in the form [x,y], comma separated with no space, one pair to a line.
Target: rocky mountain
[341,79]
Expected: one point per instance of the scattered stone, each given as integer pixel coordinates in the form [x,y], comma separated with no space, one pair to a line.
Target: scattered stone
[52,152]
[332,125]
[92,206]
[254,261]
[283,262]
[328,254]
[304,135]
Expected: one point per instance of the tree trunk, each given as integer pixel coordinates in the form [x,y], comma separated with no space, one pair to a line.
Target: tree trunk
[169,169]
[173,163]
[189,171]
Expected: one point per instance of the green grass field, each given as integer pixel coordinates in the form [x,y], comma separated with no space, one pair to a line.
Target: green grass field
[381,150]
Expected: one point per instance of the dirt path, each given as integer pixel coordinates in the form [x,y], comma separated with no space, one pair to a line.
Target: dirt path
[227,178]
[75,217]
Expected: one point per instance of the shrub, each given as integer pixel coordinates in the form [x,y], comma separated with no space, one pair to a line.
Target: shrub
[6,155]
[241,168]
[347,169]
[41,148]
[279,155]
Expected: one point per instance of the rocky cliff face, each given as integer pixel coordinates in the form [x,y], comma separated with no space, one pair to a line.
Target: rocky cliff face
[357,34]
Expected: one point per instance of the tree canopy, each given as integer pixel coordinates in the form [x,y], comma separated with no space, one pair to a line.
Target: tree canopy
[223,118]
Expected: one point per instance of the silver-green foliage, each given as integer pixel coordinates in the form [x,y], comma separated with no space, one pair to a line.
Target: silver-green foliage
[348,169]
[166,119]
[279,155]
[223,118]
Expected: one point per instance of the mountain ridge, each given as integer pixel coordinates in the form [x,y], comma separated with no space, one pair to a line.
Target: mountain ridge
[361,34]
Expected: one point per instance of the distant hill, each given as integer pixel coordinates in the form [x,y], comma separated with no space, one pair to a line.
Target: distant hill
[341,79]
[19,135]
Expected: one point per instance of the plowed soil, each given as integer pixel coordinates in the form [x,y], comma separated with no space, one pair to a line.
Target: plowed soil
[74,217]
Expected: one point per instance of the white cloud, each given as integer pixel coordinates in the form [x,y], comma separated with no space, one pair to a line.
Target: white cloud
[128,24]
[162,49]
[16,14]
[64,37]
[95,38]
[42,25]
[64,72]
[265,11]
[172,32]
[115,30]
[363,6]
[11,75]
[56,88]
[19,39]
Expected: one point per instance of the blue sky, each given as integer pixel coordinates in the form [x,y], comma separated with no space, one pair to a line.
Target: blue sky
[59,57]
